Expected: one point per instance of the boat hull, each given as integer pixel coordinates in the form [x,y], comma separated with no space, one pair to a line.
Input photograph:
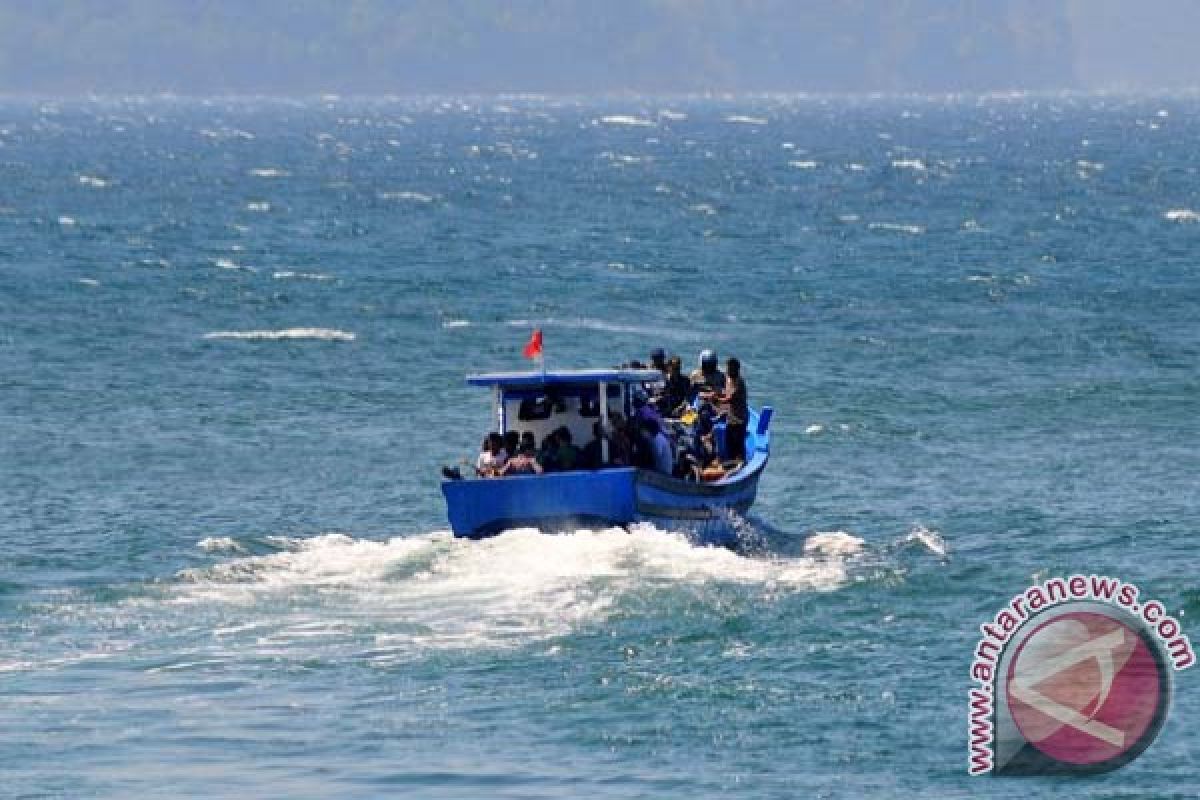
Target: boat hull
[566,501]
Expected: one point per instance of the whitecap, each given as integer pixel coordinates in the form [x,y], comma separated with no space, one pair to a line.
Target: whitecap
[415,197]
[833,544]
[66,221]
[269,172]
[326,334]
[258,206]
[812,430]
[88,282]
[627,120]
[896,227]
[674,116]
[456,323]
[1182,215]
[914,164]
[803,164]
[931,540]
[93,181]
[218,544]
[745,120]
[283,274]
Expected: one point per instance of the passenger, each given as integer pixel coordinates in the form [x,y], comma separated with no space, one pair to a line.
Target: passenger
[737,413]
[527,439]
[658,360]
[620,450]
[548,454]
[592,455]
[567,455]
[491,459]
[707,378]
[524,463]
[512,441]
[643,408]
[658,444]
[674,397]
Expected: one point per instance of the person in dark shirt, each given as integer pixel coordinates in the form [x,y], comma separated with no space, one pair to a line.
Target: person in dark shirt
[736,402]
[548,454]
[512,441]
[674,395]
[592,455]
[567,455]
[706,378]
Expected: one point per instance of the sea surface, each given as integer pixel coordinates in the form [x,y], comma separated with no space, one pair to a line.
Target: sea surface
[233,335]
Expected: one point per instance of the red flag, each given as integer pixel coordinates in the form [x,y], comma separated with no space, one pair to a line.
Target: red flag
[533,349]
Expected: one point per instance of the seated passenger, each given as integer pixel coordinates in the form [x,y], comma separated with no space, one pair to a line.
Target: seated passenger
[527,439]
[512,441]
[524,463]
[491,459]
[592,455]
[619,449]
[706,378]
[643,408]
[567,455]
[548,454]
[658,444]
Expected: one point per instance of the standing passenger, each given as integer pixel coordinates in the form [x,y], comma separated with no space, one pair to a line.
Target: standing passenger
[735,398]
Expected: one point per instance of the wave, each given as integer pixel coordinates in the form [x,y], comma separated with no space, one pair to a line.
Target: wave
[745,120]
[326,334]
[1182,215]
[432,591]
[915,230]
[269,172]
[627,120]
[309,276]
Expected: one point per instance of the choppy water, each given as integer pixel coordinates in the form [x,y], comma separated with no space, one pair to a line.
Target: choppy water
[232,338]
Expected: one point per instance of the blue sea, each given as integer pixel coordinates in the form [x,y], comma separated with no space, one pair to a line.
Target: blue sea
[233,336]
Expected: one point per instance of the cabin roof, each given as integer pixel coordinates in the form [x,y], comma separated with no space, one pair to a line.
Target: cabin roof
[564,377]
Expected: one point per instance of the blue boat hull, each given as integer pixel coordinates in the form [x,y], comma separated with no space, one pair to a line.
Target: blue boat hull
[565,501]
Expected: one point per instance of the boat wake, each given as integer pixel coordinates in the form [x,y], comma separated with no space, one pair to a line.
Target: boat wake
[334,597]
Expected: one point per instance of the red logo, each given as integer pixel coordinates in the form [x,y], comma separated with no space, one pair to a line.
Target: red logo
[1087,690]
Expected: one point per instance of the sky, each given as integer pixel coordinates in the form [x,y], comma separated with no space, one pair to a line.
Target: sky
[588,46]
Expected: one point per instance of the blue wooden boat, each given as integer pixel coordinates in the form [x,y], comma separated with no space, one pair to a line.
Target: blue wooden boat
[542,401]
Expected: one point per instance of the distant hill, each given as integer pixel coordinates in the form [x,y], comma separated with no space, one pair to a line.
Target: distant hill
[305,46]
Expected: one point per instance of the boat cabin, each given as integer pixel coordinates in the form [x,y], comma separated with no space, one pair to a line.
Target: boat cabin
[541,402]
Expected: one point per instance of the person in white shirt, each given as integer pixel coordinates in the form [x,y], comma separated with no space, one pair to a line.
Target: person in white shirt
[491,459]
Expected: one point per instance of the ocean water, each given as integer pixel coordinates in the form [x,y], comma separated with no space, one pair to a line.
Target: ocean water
[232,340]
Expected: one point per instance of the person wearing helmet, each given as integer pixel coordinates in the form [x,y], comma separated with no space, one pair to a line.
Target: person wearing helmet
[707,378]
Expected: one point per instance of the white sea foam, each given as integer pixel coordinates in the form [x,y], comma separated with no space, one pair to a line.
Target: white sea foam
[66,222]
[674,116]
[898,228]
[803,164]
[1182,215]
[437,592]
[284,274]
[813,430]
[745,120]
[326,334]
[914,164]
[456,323]
[628,120]
[414,197]
[93,181]
[931,540]
[833,544]
[269,172]
[88,282]
[258,206]
[220,544]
